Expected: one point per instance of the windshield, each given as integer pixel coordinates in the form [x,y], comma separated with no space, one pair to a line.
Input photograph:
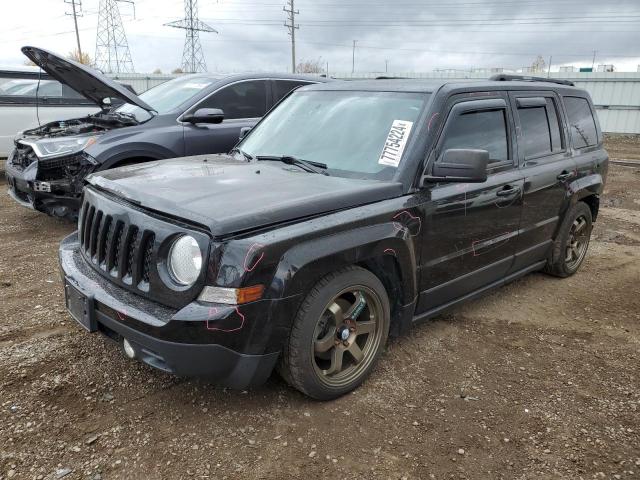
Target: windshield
[356,134]
[168,96]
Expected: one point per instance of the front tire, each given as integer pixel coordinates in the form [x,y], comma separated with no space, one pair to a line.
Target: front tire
[572,242]
[338,334]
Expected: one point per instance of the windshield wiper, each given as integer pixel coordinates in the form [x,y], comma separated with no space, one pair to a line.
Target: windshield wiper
[307,165]
[246,155]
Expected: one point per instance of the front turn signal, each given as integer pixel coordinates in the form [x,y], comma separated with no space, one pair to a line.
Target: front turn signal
[231,296]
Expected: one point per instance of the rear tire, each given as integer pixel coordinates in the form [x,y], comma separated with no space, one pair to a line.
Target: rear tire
[338,334]
[572,242]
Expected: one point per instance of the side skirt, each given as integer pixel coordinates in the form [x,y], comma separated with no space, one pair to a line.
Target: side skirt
[479,292]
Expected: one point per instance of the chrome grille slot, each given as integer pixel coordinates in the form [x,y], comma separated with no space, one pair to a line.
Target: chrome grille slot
[115,248]
[103,239]
[131,252]
[87,228]
[81,219]
[93,235]
[148,241]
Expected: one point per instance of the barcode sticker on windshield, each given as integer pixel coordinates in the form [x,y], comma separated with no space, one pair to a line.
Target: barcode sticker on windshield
[395,143]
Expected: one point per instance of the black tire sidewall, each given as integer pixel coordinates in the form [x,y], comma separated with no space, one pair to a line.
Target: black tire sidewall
[560,265]
[303,372]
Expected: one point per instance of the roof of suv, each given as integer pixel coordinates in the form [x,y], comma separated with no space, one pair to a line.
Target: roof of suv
[430,86]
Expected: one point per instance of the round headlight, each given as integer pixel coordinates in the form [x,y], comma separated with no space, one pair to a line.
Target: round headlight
[185,260]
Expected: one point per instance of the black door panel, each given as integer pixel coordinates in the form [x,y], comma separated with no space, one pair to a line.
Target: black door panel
[470,237]
[472,228]
[546,164]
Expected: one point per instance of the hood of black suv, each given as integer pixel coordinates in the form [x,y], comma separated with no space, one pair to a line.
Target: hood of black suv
[230,196]
[85,80]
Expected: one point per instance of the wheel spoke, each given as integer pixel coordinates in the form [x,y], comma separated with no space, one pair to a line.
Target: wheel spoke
[580,225]
[336,362]
[325,343]
[356,352]
[569,255]
[365,327]
[357,305]
[336,311]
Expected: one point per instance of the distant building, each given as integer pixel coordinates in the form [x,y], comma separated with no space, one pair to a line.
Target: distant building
[606,68]
[568,69]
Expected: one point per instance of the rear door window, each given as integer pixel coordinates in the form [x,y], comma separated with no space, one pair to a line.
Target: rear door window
[247,99]
[17,88]
[581,122]
[483,130]
[540,126]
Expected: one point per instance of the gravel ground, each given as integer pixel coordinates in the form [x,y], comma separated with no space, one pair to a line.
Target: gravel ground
[537,380]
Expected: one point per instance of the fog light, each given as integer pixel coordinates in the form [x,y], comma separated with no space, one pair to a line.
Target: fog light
[128,349]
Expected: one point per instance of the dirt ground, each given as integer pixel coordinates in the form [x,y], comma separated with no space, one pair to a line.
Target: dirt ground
[538,380]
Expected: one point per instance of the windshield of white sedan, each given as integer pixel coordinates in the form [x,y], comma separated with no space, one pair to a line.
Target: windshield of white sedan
[355,134]
[168,96]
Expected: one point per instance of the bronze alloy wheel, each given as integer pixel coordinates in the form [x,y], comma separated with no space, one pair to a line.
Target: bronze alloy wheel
[577,242]
[347,336]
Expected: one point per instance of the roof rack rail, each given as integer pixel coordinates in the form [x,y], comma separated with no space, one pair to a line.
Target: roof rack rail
[503,77]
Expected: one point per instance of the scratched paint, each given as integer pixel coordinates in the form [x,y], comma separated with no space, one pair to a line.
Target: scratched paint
[478,246]
[404,220]
[390,251]
[213,311]
[250,265]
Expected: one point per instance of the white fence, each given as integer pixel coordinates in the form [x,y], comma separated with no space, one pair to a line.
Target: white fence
[615,95]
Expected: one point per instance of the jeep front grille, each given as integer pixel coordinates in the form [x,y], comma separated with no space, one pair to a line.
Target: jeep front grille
[123,244]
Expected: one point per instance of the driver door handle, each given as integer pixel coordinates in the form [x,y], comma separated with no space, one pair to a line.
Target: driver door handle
[508,191]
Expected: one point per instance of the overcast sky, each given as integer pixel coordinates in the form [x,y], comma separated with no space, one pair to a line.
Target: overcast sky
[412,35]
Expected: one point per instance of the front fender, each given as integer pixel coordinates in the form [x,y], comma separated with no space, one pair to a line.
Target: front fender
[306,263]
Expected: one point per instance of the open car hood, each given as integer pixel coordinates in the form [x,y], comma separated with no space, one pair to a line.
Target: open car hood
[85,80]
[229,196]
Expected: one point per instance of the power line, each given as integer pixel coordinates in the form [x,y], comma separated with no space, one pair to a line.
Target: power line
[76,11]
[112,48]
[192,55]
[292,27]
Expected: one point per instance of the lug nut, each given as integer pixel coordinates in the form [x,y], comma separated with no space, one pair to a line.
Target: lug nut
[345,343]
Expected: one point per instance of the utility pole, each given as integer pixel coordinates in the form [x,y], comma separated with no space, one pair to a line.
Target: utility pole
[593,62]
[353,58]
[112,48]
[549,70]
[292,12]
[386,66]
[76,11]
[192,55]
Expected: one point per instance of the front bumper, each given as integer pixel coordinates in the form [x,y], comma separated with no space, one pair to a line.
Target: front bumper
[180,342]
[57,197]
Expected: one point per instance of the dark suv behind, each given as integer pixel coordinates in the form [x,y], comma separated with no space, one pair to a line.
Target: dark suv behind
[351,211]
[190,115]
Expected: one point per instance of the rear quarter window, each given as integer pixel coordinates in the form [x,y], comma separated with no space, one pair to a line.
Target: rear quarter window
[581,122]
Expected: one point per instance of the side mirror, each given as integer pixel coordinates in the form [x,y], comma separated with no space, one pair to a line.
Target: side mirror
[243,132]
[204,115]
[460,165]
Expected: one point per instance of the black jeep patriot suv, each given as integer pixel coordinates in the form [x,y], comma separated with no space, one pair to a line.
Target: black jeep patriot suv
[351,211]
